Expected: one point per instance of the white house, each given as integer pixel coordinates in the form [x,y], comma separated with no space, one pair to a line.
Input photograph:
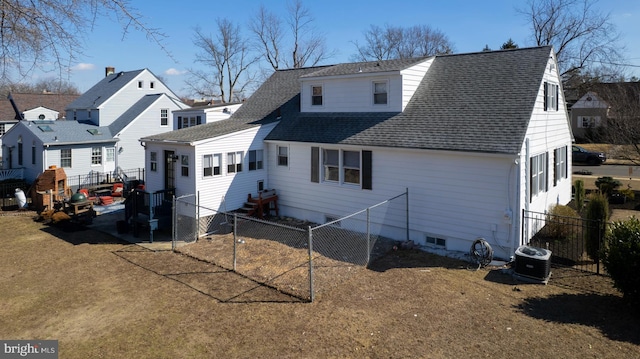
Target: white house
[29,106]
[198,115]
[101,131]
[475,138]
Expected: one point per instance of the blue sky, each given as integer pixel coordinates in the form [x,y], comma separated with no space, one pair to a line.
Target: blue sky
[469,25]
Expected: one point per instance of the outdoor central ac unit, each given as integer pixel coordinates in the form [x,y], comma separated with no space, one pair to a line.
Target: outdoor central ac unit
[533,263]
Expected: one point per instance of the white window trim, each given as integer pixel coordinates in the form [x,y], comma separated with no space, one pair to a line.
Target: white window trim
[63,158]
[257,161]
[214,156]
[237,162]
[164,114]
[322,95]
[153,161]
[341,167]
[374,93]
[278,156]
[96,156]
[538,170]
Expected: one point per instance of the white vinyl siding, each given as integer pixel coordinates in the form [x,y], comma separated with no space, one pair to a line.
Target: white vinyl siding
[216,192]
[438,198]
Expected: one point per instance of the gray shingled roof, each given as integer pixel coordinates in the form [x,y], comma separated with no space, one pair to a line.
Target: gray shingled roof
[68,132]
[478,102]
[280,91]
[365,67]
[103,90]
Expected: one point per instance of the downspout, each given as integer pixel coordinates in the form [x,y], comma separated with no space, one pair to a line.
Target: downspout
[515,230]
[527,186]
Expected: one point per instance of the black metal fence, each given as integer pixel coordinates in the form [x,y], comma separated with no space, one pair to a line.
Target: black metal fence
[131,179]
[573,241]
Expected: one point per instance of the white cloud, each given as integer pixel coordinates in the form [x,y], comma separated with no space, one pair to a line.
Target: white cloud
[174,72]
[83,67]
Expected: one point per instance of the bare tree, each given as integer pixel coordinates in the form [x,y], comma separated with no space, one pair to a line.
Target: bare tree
[622,123]
[227,59]
[306,45]
[45,85]
[394,42]
[46,34]
[582,37]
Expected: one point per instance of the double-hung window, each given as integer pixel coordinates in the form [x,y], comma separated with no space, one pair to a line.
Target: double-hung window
[65,157]
[164,117]
[379,92]
[316,95]
[331,165]
[111,154]
[551,92]
[211,165]
[234,162]
[184,165]
[153,161]
[96,156]
[351,167]
[588,121]
[283,156]
[560,160]
[346,167]
[538,174]
[255,160]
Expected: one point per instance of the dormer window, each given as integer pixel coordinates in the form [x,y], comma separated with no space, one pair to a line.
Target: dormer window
[316,95]
[380,93]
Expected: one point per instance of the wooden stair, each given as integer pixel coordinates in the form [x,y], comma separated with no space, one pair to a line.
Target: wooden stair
[262,205]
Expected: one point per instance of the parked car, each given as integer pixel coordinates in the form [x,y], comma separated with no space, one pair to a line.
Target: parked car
[582,155]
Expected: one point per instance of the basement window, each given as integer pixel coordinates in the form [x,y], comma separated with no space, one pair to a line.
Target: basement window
[435,241]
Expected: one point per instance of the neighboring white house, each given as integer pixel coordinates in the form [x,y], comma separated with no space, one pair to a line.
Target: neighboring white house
[101,131]
[30,106]
[475,139]
[199,115]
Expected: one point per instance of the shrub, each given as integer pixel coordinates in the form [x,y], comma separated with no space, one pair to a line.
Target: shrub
[607,185]
[621,258]
[560,222]
[628,193]
[579,195]
[597,214]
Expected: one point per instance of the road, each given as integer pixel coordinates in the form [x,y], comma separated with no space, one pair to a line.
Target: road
[616,171]
[619,172]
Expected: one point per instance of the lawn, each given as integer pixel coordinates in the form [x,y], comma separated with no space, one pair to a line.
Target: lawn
[101,298]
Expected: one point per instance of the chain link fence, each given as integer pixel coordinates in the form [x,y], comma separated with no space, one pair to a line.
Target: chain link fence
[295,257]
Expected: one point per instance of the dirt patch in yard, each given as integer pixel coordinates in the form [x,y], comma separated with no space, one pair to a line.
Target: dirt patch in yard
[103,298]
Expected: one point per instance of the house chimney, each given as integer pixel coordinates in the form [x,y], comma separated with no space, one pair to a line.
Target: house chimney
[109,70]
